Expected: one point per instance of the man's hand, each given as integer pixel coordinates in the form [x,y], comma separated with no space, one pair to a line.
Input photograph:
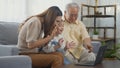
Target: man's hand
[90,48]
[69,45]
[87,44]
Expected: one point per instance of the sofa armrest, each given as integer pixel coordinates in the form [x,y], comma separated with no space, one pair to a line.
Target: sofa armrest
[8,50]
[18,61]
[96,45]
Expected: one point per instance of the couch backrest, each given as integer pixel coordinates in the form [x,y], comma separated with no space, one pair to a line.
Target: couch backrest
[8,32]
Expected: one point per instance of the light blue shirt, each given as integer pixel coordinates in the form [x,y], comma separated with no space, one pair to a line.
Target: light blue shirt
[54,42]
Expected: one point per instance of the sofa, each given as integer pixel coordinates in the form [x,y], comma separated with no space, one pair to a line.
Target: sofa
[9,57]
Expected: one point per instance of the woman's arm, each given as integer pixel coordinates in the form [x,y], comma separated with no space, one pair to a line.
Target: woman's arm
[39,42]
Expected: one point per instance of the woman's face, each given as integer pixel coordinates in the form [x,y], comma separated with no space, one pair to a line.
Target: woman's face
[59,24]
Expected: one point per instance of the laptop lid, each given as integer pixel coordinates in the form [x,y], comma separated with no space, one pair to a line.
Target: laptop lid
[100,54]
[99,57]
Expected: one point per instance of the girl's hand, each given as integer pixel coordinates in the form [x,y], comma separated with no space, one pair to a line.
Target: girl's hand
[60,42]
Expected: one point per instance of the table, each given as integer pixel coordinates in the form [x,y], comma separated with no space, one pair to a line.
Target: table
[104,64]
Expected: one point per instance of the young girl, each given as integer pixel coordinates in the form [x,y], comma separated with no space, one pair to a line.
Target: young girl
[58,43]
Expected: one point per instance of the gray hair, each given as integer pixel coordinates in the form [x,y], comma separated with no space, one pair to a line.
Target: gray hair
[75,5]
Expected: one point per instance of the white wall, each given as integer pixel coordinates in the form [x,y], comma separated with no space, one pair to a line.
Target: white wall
[12,10]
[38,6]
[18,10]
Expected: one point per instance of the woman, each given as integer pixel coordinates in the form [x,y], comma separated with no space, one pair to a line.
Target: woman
[31,38]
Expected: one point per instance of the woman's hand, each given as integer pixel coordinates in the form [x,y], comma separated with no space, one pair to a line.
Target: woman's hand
[53,33]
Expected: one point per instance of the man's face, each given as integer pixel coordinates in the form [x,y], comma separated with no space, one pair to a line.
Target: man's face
[71,15]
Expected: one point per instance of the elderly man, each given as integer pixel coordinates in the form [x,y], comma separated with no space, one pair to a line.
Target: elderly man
[75,30]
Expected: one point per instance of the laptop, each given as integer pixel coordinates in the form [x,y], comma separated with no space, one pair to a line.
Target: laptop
[99,57]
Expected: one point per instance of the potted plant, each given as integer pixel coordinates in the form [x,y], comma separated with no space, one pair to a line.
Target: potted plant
[110,54]
[117,54]
[113,53]
[95,34]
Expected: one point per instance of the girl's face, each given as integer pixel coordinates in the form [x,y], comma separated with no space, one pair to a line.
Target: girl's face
[60,28]
[59,24]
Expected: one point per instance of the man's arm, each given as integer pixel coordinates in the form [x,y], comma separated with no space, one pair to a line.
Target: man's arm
[87,44]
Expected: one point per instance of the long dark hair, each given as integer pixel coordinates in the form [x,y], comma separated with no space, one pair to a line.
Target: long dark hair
[48,18]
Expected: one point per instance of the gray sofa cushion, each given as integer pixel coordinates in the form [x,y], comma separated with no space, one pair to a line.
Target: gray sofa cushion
[8,50]
[8,32]
[18,61]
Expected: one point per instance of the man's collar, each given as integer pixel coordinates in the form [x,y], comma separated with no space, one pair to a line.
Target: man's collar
[69,22]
